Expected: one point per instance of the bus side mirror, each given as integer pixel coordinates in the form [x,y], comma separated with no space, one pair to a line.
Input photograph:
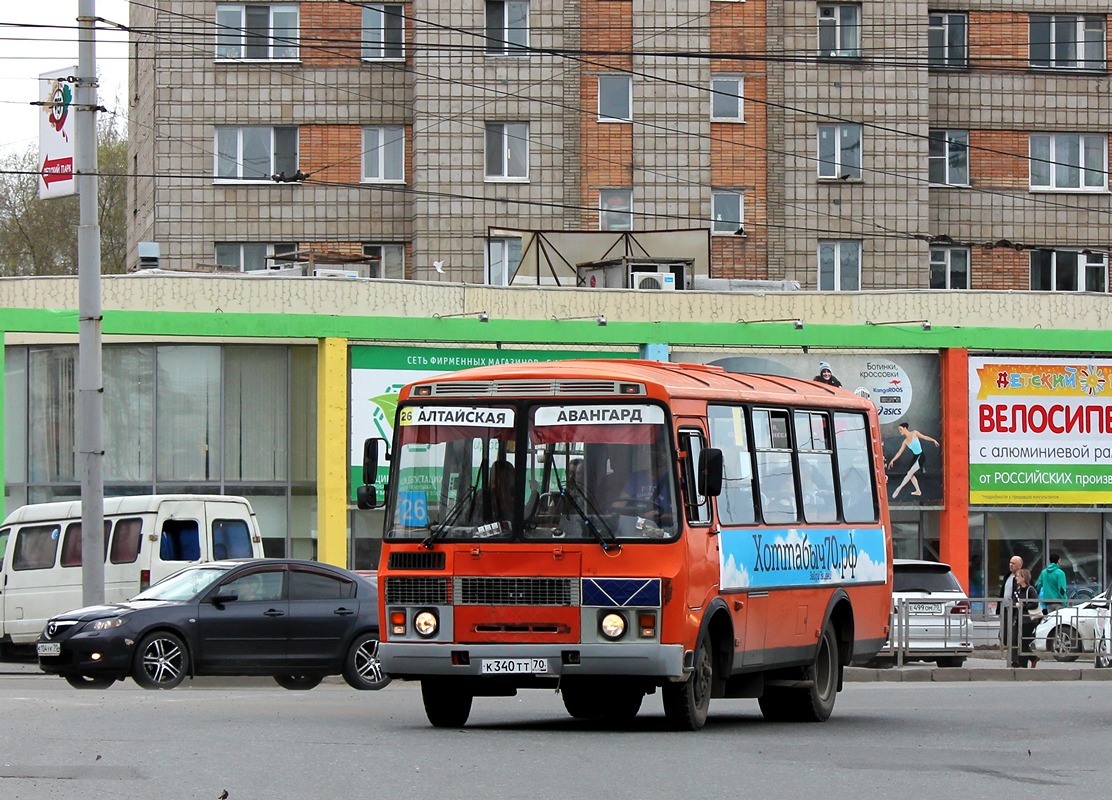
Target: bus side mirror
[366,497]
[710,472]
[370,458]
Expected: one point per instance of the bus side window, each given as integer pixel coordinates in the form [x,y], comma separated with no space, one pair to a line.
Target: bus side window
[230,539]
[729,432]
[855,473]
[775,468]
[816,466]
[180,541]
[696,507]
[4,535]
[127,542]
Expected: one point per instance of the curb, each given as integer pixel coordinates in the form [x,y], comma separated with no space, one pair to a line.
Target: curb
[966,675]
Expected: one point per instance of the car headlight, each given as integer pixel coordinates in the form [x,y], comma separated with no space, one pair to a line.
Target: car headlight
[106,624]
[612,626]
[426,623]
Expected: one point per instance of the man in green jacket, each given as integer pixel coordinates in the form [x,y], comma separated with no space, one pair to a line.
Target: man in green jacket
[1052,584]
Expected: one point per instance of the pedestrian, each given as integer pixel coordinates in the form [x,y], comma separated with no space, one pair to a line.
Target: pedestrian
[1004,607]
[1028,612]
[912,441]
[1052,584]
[826,375]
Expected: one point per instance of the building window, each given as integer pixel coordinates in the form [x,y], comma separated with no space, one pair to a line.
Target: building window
[839,30]
[839,266]
[507,150]
[949,268]
[252,256]
[384,153]
[1068,271]
[840,151]
[503,257]
[947,39]
[257,32]
[1067,41]
[949,158]
[1069,161]
[615,97]
[255,153]
[726,92]
[727,209]
[507,27]
[383,32]
[389,260]
[615,210]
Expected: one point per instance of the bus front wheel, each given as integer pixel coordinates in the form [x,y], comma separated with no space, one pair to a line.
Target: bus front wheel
[814,700]
[686,704]
[447,705]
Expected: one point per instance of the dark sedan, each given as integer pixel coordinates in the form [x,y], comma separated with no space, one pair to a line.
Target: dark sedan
[297,621]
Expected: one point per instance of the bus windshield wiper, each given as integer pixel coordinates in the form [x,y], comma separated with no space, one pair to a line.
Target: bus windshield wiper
[608,540]
[441,528]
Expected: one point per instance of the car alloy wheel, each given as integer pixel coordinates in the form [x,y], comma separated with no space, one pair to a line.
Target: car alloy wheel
[362,668]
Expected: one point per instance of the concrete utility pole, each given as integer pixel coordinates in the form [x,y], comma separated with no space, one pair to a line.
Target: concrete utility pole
[90,388]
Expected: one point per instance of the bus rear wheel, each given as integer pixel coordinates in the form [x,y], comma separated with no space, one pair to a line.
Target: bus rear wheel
[814,700]
[686,704]
[447,703]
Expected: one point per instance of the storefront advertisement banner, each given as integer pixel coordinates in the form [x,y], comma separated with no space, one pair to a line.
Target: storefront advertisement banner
[904,387]
[379,373]
[1040,431]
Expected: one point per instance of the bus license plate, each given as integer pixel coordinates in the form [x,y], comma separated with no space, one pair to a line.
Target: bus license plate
[514,666]
[924,608]
[49,649]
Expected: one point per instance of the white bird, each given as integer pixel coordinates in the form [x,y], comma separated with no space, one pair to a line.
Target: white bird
[438,266]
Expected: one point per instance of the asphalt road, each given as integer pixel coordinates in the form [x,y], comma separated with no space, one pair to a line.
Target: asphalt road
[255,740]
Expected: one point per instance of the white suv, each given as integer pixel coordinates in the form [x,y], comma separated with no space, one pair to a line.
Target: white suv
[930,615]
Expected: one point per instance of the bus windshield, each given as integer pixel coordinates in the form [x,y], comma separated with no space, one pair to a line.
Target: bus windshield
[584,471]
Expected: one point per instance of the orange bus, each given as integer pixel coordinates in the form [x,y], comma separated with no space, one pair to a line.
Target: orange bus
[610,528]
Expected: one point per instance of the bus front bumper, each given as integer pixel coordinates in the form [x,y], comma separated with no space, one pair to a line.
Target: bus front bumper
[418,659]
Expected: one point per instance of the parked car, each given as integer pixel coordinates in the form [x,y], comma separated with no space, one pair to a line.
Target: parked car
[297,621]
[1071,630]
[930,615]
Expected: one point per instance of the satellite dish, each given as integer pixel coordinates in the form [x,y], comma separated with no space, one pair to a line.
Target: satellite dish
[438,266]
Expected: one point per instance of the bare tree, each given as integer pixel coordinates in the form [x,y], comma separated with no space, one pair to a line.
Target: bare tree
[39,237]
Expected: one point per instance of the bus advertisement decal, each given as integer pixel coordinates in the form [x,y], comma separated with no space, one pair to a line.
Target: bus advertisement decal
[773,558]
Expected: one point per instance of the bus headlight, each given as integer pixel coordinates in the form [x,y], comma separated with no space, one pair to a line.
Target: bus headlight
[612,626]
[426,624]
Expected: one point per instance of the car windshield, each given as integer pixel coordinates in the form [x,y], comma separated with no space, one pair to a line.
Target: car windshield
[184,585]
[928,579]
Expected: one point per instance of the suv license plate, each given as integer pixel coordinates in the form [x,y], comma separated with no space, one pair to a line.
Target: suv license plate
[49,649]
[514,666]
[924,608]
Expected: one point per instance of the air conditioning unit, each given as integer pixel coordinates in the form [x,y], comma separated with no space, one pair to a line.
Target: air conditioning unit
[335,273]
[654,281]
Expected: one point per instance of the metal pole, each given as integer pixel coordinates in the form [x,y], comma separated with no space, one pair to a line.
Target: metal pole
[90,389]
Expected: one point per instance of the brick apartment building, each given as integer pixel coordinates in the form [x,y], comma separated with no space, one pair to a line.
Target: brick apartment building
[882,144]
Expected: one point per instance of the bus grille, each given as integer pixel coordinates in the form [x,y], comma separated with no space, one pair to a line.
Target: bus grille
[532,388]
[516,591]
[424,561]
[418,591]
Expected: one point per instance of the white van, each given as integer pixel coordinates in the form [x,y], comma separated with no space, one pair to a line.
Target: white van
[145,539]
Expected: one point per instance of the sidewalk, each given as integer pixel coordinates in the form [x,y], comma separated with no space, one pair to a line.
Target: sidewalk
[984,666]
